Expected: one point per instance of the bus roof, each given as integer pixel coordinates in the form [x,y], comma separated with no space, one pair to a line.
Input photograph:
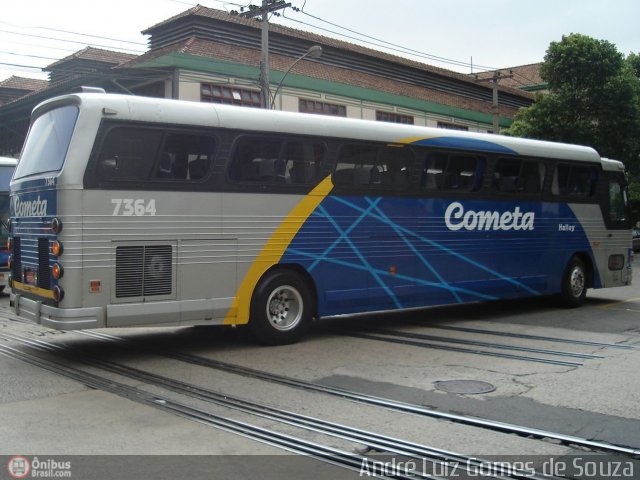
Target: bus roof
[612,165]
[155,110]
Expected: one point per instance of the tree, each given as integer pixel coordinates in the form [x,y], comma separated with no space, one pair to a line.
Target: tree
[593,99]
[634,62]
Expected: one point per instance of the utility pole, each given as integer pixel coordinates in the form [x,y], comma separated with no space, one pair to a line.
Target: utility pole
[495,109]
[268,6]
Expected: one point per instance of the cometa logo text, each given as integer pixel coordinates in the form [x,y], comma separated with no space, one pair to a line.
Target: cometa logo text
[456,218]
[31,208]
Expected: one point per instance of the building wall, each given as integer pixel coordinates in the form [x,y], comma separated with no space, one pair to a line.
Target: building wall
[287,99]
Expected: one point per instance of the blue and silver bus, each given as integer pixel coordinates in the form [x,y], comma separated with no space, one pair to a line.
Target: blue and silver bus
[7,166]
[131,211]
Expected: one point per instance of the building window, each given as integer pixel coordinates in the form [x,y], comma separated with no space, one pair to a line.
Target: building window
[322,108]
[453,126]
[230,95]
[394,117]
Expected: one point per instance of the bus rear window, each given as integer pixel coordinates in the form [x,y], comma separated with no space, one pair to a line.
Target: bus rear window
[47,143]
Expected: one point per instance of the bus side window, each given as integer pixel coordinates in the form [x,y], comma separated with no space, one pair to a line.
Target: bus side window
[185,157]
[574,181]
[374,166]
[466,172]
[255,159]
[533,174]
[355,165]
[303,161]
[393,166]
[128,153]
[443,171]
[512,175]
[506,175]
[433,172]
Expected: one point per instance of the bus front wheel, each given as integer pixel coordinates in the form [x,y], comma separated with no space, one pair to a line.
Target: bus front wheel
[281,308]
[574,283]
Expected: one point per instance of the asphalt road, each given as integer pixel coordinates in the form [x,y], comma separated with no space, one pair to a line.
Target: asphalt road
[529,363]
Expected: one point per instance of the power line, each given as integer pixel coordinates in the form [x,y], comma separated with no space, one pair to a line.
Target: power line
[26,55]
[403,48]
[69,41]
[73,33]
[80,34]
[379,45]
[223,2]
[392,46]
[31,67]
[68,50]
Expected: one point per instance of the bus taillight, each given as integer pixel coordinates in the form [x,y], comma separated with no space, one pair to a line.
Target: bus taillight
[56,248]
[57,271]
[56,225]
[58,293]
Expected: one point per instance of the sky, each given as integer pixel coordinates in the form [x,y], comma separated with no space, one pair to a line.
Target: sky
[461,35]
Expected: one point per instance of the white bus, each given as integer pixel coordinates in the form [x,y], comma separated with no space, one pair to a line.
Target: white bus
[132,211]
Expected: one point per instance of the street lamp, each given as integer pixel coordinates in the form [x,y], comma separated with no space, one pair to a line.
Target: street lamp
[313,52]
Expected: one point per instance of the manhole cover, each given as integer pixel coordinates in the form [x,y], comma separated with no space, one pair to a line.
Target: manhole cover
[464,387]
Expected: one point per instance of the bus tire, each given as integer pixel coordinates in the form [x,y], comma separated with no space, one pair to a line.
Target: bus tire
[282,308]
[574,283]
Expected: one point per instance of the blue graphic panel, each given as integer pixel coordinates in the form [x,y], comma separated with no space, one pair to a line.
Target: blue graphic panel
[373,253]
[465,144]
[33,205]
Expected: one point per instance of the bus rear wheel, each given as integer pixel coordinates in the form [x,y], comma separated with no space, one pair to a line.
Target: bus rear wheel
[574,283]
[282,308]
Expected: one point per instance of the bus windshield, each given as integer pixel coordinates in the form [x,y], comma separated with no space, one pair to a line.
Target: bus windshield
[47,142]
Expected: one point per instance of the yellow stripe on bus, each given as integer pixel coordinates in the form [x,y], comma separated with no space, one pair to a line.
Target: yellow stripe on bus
[41,292]
[274,250]
[410,140]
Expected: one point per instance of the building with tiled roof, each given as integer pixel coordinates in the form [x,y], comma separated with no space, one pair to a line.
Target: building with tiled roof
[208,55]
[89,60]
[15,87]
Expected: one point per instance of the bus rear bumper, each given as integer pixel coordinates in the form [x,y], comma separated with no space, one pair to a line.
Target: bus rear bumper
[56,318]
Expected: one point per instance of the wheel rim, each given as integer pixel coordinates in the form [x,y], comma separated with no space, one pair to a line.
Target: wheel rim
[577,282]
[284,308]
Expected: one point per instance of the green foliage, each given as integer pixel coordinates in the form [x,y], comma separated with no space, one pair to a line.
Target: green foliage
[593,99]
[634,63]
[581,63]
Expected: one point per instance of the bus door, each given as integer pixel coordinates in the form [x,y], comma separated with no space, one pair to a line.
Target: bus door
[616,249]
